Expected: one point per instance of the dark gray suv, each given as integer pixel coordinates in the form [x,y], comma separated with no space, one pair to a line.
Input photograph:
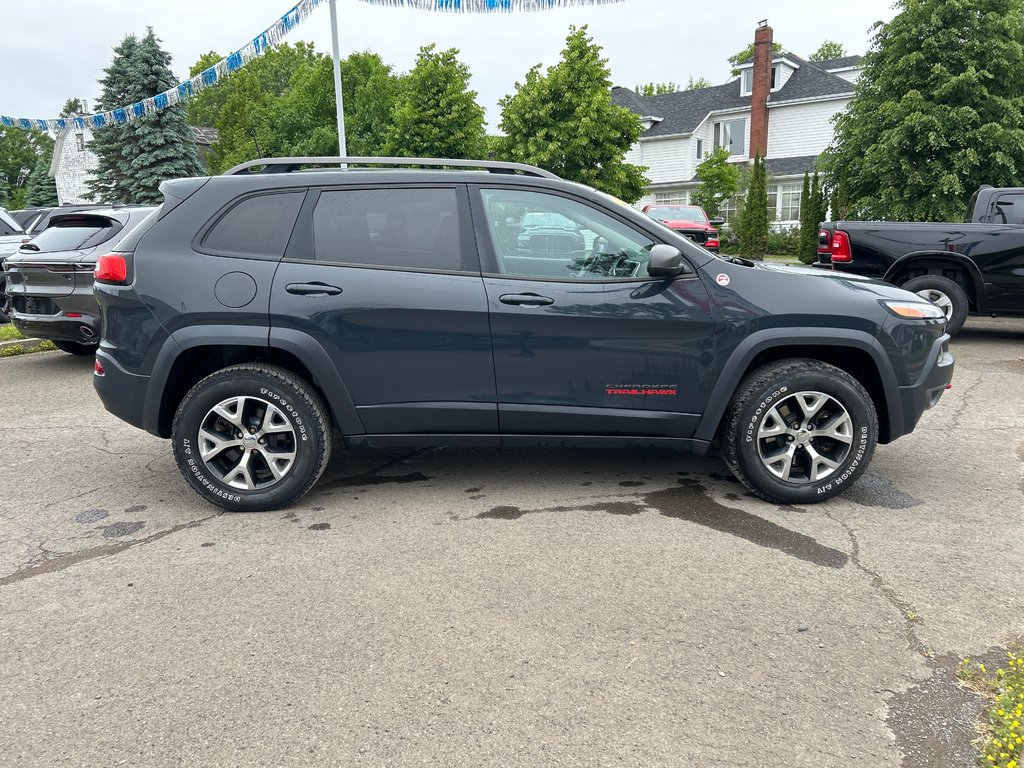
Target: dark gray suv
[259,311]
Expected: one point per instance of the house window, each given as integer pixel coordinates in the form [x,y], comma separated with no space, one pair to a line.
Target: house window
[80,142]
[773,202]
[789,197]
[730,134]
[700,149]
[729,209]
[747,82]
[677,197]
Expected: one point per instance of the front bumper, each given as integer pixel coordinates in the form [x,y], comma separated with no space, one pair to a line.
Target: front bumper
[927,390]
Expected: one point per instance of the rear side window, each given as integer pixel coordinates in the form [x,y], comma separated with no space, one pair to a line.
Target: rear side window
[257,227]
[403,228]
[71,233]
[1009,210]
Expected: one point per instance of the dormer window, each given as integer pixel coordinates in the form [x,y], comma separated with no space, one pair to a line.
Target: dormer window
[747,81]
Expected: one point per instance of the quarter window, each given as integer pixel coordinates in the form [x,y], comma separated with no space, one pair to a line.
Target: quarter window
[1009,209]
[257,227]
[403,228]
[550,238]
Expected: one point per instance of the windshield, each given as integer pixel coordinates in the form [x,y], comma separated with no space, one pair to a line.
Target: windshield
[71,233]
[677,213]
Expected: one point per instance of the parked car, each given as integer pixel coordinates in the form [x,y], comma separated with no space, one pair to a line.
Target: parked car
[12,235]
[257,312]
[972,267]
[49,279]
[690,221]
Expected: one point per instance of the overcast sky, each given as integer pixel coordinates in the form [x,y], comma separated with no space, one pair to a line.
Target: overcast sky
[56,49]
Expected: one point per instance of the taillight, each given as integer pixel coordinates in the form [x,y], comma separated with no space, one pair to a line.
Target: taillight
[99,368]
[111,268]
[824,241]
[841,252]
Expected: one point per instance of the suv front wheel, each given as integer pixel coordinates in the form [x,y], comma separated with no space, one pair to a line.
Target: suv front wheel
[251,437]
[799,431]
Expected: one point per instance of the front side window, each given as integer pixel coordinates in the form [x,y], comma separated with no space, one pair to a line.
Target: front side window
[257,227]
[731,134]
[579,243]
[398,228]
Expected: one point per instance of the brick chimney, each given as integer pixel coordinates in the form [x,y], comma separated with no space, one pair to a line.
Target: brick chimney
[762,85]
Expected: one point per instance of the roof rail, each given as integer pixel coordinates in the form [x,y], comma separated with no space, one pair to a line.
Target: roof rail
[290,164]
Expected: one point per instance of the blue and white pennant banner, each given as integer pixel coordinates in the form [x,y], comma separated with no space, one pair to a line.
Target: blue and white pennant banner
[257,46]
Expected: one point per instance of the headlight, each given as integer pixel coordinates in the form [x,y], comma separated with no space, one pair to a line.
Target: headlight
[917,310]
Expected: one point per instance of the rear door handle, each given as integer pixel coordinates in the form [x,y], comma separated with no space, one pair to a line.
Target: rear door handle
[525,300]
[312,289]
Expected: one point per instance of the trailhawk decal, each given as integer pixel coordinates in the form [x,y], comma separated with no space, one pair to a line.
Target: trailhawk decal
[658,390]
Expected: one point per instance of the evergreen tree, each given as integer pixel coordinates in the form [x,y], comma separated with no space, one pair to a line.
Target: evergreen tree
[5,193]
[565,121]
[754,220]
[134,158]
[937,112]
[437,114]
[41,189]
[805,247]
[719,180]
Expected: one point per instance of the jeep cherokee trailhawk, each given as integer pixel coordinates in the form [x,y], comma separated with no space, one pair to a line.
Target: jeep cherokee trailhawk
[256,314]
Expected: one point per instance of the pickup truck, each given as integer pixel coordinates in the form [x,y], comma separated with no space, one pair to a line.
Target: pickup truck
[973,267]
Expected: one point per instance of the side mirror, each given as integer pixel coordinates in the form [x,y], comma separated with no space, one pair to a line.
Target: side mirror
[717,221]
[665,261]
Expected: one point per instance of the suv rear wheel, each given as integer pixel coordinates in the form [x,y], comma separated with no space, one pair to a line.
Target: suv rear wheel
[251,437]
[799,431]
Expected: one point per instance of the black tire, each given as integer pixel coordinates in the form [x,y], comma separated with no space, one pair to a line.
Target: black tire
[783,395]
[281,415]
[947,295]
[75,348]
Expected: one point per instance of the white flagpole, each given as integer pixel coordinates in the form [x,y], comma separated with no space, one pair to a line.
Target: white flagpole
[342,151]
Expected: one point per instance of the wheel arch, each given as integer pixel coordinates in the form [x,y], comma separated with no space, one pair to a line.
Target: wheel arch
[193,353]
[943,264]
[855,352]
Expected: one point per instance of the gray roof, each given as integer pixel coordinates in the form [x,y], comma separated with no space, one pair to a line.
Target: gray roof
[841,63]
[683,111]
[786,166]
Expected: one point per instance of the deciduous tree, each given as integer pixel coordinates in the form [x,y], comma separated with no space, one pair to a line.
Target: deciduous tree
[719,180]
[829,49]
[437,114]
[564,120]
[937,112]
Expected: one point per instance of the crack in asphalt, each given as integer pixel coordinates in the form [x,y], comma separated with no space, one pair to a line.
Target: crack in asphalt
[966,393]
[61,563]
[905,608]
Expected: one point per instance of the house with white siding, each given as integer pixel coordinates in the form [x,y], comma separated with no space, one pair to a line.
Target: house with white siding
[780,105]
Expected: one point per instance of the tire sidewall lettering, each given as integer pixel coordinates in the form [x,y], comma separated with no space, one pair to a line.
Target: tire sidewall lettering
[751,430]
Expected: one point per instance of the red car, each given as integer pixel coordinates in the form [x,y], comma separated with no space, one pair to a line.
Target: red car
[689,221]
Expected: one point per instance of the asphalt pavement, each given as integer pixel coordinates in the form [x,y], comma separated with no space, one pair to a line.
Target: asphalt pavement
[503,607]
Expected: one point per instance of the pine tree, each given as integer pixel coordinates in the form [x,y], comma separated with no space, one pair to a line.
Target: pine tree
[437,114]
[41,189]
[806,212]
[754,220]
[136,157]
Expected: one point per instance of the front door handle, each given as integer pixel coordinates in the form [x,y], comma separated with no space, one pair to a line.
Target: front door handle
[525,300]
[312,289]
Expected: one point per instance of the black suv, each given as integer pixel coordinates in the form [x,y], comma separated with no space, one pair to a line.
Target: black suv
[261,310]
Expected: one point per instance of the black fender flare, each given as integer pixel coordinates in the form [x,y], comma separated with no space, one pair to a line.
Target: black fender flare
[299,344]
[735,367]
[968,266]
